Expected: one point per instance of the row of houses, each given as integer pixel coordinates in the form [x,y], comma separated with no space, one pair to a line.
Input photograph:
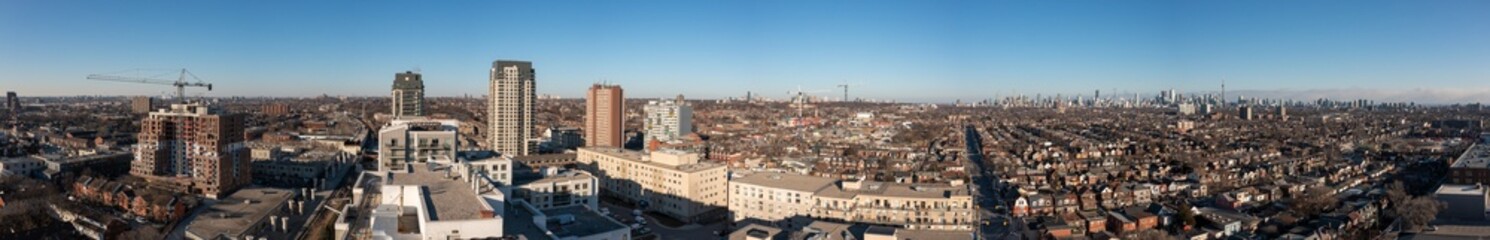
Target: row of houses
[154,204]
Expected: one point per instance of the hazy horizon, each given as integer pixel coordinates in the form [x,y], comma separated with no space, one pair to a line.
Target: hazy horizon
[1425,52]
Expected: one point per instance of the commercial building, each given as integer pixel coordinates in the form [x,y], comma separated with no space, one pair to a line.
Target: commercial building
[408,94]
[196,145]
[416,139]
[670,182]
[141,104]
[1473,166]
[604,106]
[251,213]
[1464,202]
[96,160]
[309,169]
[667,121]
[781,196]
[510,107]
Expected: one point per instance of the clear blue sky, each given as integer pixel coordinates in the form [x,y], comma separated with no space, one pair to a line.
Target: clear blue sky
[908,50]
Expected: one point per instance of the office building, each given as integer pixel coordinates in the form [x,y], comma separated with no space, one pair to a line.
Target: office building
[781,196]
[194,145]
[510,107]
[667,121]
[417,139]
[408,94]
[604,108]
[142,104]
[670,182]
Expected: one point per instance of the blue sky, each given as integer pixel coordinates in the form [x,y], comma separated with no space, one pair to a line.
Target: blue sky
[907,50]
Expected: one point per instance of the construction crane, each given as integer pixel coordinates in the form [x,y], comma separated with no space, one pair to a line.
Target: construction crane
[180,81]
[845,87]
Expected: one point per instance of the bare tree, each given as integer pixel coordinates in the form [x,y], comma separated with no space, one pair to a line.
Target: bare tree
[1396,192]
[1418,211]
[1314,201]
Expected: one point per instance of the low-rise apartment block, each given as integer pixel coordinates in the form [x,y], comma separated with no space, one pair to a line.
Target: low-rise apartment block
[670,182]
[779,196]
[416,139]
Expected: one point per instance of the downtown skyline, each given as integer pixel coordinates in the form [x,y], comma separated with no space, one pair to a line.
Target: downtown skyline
[1429,53]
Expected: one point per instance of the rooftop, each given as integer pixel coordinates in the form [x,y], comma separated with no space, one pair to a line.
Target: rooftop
[446,197]
[794,182]
[586,222]
[65,159]
[756,231]
[528,177]
[894,190]
[643,158]
[1478,156]
[1456,189]
[234,215]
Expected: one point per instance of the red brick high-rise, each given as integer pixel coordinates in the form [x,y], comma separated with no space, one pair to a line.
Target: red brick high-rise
[194,145]
[604,107]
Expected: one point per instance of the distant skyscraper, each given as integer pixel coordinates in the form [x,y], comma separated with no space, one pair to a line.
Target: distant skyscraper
[12,102]
[195,145]
[668,120]
[408,94]
[141,104]
[604,107]
[510,107]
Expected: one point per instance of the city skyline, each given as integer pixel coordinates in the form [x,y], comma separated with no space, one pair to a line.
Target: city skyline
[969,50]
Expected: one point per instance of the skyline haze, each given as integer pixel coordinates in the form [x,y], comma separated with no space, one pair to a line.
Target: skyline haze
[1428,52]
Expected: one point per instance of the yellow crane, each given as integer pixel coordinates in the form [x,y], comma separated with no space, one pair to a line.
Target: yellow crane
[180,81]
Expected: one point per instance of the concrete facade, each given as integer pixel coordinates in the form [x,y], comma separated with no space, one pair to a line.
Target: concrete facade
[667,121]
[605,106]
[673,183]
[194,143]
[408,94]
[417,139]
[510,107]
